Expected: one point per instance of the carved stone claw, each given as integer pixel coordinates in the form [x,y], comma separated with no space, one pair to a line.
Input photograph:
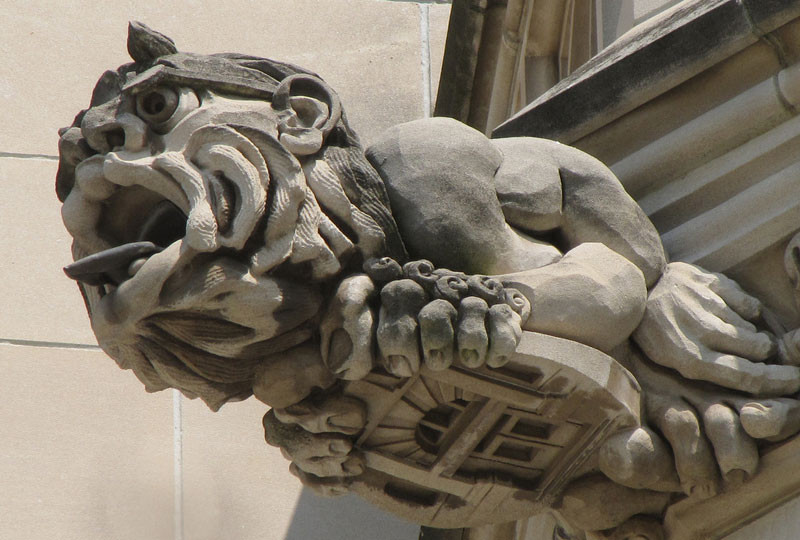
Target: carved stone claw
[595,503]
[322,455]
[448,316]
[771,419]
[694,461]
[791,262]
[789,348]
[473,340]
[437,323]
[735,450]
[638,458]
[383,270]
[338,414]
[329,459]
[347,329]
[505,331]
[398,330]
[699,323]
[712,432]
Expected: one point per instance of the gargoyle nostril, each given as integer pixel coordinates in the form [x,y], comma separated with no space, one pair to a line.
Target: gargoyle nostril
[115,137]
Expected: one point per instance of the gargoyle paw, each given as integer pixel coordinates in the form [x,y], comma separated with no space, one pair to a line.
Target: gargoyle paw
[439,316]
[322,455]
[333,414]
[347,329]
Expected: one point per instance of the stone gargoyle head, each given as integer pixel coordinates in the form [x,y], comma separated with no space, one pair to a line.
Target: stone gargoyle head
[212,199]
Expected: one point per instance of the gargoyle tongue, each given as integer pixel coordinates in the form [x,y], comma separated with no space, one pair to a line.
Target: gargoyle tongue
[111,265]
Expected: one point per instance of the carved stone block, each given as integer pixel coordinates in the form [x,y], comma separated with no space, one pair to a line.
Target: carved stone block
[463,331]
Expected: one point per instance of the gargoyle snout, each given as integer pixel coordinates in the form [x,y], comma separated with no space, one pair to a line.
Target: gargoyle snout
[106,128]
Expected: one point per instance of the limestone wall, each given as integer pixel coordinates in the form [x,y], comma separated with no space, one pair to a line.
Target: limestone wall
[85,453]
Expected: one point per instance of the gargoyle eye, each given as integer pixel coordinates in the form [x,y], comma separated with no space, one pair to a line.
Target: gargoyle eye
[156,106]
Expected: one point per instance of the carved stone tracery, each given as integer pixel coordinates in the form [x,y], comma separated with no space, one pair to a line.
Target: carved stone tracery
[486,445]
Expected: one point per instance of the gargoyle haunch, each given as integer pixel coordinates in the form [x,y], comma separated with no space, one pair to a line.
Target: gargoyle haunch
[462,330]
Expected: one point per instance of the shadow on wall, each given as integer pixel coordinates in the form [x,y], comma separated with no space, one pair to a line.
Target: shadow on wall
[345,518]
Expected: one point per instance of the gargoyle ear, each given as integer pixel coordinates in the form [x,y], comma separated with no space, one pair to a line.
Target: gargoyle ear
[145,44]
[308,109]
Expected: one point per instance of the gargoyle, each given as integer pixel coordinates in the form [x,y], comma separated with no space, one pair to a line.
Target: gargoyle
[232,238]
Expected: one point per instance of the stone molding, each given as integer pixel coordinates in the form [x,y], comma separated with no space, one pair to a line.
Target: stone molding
[654,57]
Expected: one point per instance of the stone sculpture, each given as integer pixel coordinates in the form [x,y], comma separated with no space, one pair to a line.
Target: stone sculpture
[462,330]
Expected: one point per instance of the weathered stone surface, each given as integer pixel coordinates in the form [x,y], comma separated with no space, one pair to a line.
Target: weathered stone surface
[460,58]
[441,469]
[658,55]
[723,349]
[528,198]
[618,296]
[439,22]
[767,14]
[421,190]
[223,211]
[595,207]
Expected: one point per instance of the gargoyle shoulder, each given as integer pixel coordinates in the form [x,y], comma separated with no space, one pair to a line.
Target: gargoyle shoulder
[439,176]
[528,184]
[521,172]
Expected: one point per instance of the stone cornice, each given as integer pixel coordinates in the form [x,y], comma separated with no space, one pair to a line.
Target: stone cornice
[651,59]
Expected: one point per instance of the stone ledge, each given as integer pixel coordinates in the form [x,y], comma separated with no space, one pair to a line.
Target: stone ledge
[721,515]
[651,59]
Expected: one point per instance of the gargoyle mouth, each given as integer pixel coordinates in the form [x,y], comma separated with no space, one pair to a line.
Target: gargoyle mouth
[163,225]
[112,266]
[140,222]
